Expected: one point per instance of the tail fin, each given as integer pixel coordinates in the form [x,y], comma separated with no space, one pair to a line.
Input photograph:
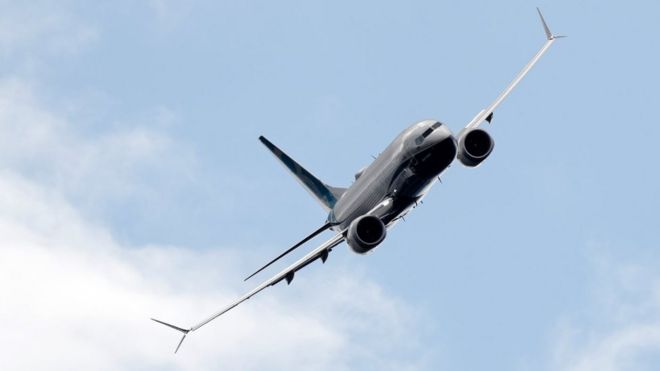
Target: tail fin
[324,193]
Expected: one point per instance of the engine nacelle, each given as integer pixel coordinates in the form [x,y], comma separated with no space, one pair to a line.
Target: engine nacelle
[365,233]
[474,146]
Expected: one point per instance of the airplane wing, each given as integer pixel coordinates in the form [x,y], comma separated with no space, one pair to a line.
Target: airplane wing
[323,228]
[486,114]
[287,274]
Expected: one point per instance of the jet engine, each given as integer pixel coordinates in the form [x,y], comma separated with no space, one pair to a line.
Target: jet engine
[474,146]
[365,233]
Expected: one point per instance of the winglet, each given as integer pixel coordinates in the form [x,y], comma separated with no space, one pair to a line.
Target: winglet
[180,342]
[485,113]
[548,34]
[184,331]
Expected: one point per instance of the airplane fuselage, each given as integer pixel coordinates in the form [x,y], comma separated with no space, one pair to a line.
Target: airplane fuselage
[402,173]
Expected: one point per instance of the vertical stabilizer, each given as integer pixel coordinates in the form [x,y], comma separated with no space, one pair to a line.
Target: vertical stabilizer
[325,194]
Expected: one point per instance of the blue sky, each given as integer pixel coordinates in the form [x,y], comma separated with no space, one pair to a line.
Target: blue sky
[133,184]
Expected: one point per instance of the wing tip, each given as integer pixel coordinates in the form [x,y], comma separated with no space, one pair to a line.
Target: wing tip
[548,34]
[180,342]
[182,330]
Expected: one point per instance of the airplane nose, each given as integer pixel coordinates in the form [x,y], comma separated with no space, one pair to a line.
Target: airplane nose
[442,133]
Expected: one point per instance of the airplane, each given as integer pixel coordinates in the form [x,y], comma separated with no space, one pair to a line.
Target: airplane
[386,190]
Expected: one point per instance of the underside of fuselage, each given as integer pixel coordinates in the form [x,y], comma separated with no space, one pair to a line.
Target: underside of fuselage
[403,172]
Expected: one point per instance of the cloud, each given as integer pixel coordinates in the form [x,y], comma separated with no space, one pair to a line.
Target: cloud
[76,298]
[41,28]
[620,329]
[112,163]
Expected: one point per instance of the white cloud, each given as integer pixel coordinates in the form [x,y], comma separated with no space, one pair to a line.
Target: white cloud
[620,330]
[50,148]
[75,298]
[38,28]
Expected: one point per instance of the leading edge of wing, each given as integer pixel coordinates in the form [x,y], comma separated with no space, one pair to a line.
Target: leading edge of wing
[319,252]
[486,113]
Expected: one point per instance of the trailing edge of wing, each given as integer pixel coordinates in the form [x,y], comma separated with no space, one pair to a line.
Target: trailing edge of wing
[319,252]
[487,112]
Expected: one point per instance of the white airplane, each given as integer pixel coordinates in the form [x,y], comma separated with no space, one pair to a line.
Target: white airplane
[387,189]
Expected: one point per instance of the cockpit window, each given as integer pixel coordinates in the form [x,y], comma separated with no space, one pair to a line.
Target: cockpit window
[427,132]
